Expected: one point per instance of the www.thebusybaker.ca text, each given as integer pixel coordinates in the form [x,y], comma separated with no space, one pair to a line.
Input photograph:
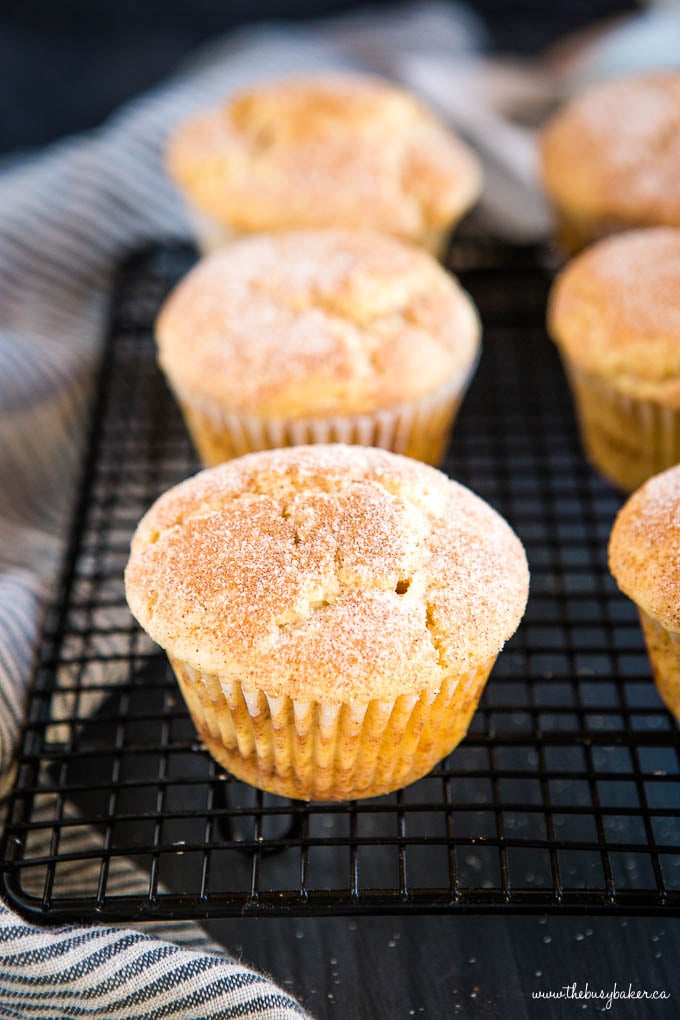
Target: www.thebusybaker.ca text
[609,996]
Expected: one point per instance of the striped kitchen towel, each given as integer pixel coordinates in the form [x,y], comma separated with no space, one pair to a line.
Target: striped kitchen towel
[67,218]
[116,974]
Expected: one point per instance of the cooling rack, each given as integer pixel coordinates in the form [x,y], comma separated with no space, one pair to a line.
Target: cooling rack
[565,795]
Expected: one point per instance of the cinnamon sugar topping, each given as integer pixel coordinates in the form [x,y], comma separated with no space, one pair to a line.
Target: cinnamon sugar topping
[616,311]
[333,150]
[614,151]
[316,323]
[644,549]
[327,572]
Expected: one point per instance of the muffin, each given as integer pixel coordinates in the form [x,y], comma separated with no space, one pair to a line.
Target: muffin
[644,557]
[324,151]
[611,158]
[318,336]
[615,315]
[331,613]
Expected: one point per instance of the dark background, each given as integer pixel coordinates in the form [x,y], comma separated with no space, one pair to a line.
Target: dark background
[66,64]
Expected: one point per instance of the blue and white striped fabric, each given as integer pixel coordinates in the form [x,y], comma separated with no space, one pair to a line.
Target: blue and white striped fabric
[114,974]
[66,219]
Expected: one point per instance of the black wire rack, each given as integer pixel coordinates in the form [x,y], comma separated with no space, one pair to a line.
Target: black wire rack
[565,796]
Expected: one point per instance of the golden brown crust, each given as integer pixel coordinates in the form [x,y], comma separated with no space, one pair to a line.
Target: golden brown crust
[614,151]
[316,323]
[332,573]
[615,310]
[644,548]
[339,150]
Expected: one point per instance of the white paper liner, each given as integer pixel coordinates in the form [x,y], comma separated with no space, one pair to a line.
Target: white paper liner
[576,232]
[663,646]
[314,751]
[210,234]
[628,440]
[419,428]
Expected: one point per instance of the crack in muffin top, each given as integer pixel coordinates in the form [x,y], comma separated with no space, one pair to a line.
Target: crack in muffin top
[329,573]
[316,323]
[333,150]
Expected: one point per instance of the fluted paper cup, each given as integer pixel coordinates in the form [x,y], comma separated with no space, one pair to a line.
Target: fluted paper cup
[626,439]
[663,647]
[576,232]
[210,235]
[309,750]
[418,428]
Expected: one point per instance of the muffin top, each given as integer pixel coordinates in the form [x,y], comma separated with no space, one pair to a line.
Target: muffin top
[316,323]
[615,310]
[644,548]
[338,150]
[327,572]
[614,151]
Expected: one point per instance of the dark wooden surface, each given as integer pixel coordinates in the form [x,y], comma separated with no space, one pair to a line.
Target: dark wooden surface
[395,968]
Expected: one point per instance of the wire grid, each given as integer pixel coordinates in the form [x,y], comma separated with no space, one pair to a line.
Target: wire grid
[565,794]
